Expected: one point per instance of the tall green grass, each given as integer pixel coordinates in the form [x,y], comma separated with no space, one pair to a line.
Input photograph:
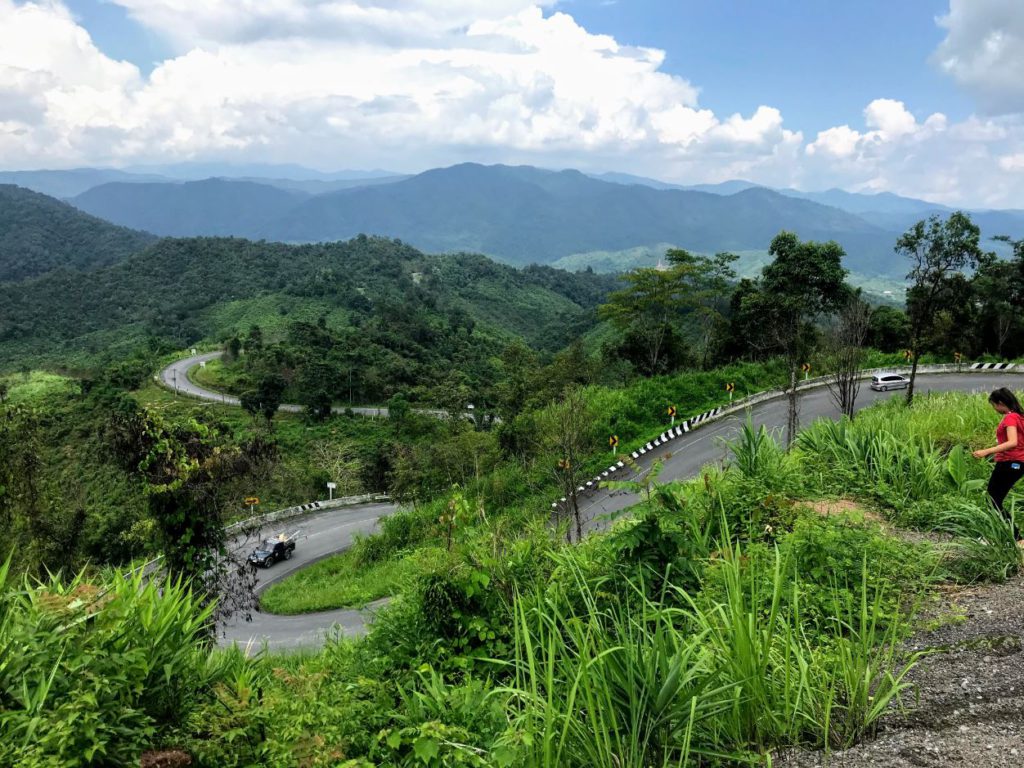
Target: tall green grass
[636,683]
[89,674]
[984,548]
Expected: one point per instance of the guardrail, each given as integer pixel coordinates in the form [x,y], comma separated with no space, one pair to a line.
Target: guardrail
[305,509]
[688,425]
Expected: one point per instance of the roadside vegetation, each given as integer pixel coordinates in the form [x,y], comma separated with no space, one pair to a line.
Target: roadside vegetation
[753,608]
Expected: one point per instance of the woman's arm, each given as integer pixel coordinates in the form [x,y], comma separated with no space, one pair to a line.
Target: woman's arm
[1011,442]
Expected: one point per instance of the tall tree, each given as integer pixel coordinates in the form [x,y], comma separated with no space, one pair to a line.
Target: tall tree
[705,285]
[845,351]
[939,251]
[266,398]
[888,329]
[566,436]
[999,298]
[657,304]
[645,310]
[804,281]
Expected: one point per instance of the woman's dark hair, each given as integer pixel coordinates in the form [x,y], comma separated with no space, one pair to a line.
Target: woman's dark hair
[1003,396]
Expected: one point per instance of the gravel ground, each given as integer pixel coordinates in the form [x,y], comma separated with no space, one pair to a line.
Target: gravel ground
[970,707]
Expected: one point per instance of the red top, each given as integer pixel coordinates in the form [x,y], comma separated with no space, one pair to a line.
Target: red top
[1011,420]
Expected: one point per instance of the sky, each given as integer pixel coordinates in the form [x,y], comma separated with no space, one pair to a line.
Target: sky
[918,97]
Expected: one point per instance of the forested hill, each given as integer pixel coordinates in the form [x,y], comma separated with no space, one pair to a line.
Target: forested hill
[190,289]
[518,214]
[39,234]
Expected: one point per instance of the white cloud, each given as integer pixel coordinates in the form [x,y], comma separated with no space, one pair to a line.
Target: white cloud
[57,90]
[984,52]
[397,83]
[965,163]
[1012,163]
[409,84]
[191,23]
[890,117]
[841,141]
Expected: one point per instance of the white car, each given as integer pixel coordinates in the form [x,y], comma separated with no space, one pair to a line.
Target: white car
[883,382]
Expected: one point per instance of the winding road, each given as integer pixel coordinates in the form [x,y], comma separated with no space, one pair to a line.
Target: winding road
[320,535]
[332,531]
[176,378]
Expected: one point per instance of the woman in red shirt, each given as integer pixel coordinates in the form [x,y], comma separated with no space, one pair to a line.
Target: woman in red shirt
[1009,449]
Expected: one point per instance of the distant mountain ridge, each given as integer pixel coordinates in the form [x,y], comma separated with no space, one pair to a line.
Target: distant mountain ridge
[519,214]
[212,207]
[64,184]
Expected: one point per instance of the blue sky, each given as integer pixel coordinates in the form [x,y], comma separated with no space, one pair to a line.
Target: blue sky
[118,35]
[919,97]
[818,61]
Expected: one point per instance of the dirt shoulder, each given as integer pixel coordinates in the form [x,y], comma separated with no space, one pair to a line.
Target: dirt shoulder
[970,710]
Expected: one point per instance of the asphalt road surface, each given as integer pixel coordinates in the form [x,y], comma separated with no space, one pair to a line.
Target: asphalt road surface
[333,531]
[320,535]
[685,456]
[175,377]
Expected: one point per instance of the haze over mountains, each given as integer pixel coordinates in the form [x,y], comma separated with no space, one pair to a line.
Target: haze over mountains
[519,214]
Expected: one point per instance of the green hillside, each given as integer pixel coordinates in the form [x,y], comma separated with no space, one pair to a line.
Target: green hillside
[39,234]
[188,290]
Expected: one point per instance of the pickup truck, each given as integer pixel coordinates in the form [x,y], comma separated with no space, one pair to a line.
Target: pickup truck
[272,550]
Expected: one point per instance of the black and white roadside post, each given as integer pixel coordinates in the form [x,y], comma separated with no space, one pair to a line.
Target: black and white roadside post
[330,491]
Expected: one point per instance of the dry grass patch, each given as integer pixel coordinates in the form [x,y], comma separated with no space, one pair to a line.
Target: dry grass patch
[847,507]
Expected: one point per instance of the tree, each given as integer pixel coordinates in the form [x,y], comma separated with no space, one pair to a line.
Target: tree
[845,352]
[998,298]
[888,329]
[565,432]
[705,287]
[254,341]
[191,472]
[659,304]
[644,311]
[232,349]
[938,251]
[266,398]
[341,463]
[804,281]
[518,370]
[398,409]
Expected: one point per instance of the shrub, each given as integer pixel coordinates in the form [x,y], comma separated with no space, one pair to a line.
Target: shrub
[398,532]
[88,674]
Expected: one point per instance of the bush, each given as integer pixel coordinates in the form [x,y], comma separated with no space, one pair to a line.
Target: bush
[398,532]
[89,674]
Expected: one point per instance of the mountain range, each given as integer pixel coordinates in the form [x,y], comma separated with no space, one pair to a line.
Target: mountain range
[517,214]
[525,215]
